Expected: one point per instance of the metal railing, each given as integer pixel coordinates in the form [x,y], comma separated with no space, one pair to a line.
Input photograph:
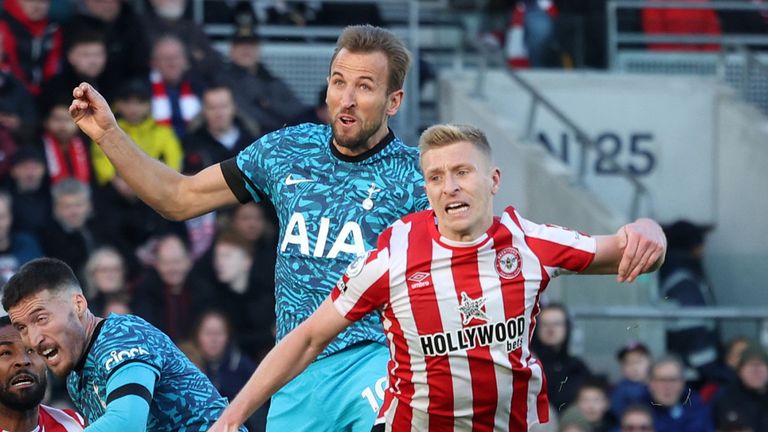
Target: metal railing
[616,37]
[715,313]
[494,54]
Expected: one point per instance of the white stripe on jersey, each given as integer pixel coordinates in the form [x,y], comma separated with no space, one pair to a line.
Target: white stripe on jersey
[531,272]
[401,308]
[554,234]
[448,303]
[70,424]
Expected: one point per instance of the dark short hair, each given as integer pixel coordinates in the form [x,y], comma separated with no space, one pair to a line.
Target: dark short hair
[35,276]
[370,39]
[5,320]
[85,37]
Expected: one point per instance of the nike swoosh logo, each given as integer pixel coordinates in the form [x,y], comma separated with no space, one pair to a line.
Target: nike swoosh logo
[292,181]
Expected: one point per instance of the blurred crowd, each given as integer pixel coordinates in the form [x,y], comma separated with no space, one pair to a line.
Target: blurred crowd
[572,33]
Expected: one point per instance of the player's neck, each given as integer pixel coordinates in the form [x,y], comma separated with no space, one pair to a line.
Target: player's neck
[90,321]
[18,421]
[375,139]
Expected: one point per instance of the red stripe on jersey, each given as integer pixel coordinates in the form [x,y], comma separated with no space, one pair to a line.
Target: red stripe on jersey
[426,314]
[554,254]
[466,276]
[514,305]
[542,401]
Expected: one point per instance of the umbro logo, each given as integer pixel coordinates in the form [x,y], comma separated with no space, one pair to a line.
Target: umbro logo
[290,181]
[418,280]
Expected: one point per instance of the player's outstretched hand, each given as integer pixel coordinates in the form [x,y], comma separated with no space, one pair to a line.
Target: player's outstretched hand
[644,244]
[91,112]
[223,426]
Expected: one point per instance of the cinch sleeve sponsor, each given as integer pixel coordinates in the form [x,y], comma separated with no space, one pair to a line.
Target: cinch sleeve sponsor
[120,347]
[364,287]
[561,250]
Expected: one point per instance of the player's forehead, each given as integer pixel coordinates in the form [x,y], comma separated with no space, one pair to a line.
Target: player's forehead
[451,156]
[9,336]
[41,301]
[356,65]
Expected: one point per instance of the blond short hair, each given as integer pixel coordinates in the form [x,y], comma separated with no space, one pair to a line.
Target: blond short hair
[442,135]
[369,39]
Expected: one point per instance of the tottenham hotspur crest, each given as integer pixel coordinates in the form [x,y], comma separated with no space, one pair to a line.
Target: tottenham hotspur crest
[472,308]
[508,263]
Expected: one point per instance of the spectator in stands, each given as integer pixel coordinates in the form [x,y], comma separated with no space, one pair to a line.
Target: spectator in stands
[222,134]
[565,373]
[248,307]
[683,282]
[167,18]
[128,222]
[336,14]
[71,236]
[32,44]
[117,305]
[169,297]
[29,190]
[260,96]
[700,22]
[132,105]
[635,362]
[746,400]
[592,406]
[317,114]
[16,248]
[65,149]
[126,45]
[727,370]
[676,407]
[86,58]
[17,108]
[637,418]
[175,90]
[105,279]
[222,361]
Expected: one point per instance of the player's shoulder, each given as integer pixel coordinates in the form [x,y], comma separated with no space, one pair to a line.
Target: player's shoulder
[302,134]
[418,219]
[54,417]
[120,331]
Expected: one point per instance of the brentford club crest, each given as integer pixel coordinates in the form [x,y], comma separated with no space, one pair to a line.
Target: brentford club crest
[508,263]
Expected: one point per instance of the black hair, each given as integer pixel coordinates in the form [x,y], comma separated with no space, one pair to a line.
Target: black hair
[35,276]
[5,320]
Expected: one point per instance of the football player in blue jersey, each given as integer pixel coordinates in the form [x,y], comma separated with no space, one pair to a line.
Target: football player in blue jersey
[122,373]
[335,188]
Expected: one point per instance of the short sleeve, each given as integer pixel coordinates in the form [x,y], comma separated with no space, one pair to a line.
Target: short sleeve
[560,250]
[255,163]
[364,287]
[126,343]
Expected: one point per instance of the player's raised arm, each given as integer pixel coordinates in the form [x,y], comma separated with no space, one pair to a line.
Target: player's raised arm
[291,356]
[638,247]
[173,195]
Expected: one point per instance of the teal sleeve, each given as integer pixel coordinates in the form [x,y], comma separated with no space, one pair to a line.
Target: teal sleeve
[129,393]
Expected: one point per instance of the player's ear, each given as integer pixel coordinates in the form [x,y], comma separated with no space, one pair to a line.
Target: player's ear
[394,100]
[495,180]
[80,304]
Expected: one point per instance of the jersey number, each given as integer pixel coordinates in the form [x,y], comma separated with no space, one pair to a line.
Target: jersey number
[379,389]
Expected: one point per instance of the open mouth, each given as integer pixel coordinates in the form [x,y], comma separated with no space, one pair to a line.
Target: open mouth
[50,353]
[456,208]
[23,380]
[347,120]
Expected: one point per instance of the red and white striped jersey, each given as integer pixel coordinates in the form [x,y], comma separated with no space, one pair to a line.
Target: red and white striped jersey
[459,319]
[57,420]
